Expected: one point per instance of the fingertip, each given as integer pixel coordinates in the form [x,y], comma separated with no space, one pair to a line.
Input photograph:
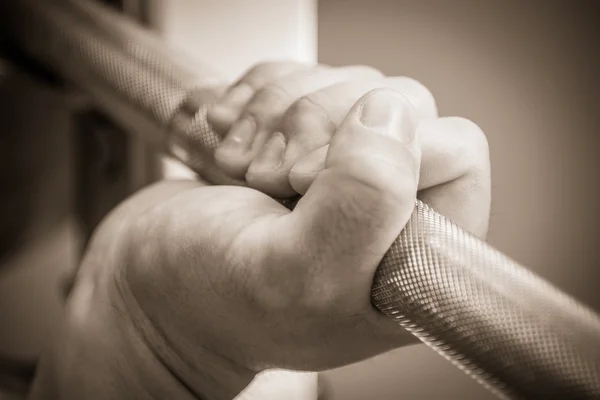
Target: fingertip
[232,161]
[229,107]
[237,95]
[301,182]
[267,171]
[221,118]
[306,170]
[237,149]
[273,184]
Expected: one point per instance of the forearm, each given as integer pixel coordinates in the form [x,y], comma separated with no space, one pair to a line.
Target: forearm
[99,354]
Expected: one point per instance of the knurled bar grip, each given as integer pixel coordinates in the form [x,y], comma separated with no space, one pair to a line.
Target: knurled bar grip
[515,333]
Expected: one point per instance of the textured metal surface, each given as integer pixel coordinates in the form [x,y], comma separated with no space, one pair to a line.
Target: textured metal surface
[500,323]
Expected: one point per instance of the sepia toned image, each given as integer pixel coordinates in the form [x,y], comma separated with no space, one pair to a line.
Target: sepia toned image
[299,199]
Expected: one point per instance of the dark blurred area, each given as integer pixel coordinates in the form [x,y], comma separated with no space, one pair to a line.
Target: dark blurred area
[63,166]
[33,160]
[72,158]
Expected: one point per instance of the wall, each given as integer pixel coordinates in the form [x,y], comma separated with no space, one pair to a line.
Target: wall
[527,73]
[230,36]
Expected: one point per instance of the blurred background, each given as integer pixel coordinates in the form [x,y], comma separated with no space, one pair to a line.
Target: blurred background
[526,72]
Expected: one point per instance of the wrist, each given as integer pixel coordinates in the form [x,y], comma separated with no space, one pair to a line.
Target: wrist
[202,371]
[96,355]
[99,353]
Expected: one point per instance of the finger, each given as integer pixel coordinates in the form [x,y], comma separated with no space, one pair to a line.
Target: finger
[454,176]
[230,105]
[457,172]
[264,111]
[311,121]
[360,203]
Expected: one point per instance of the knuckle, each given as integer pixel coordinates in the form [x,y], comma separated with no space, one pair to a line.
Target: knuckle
[267,100]
[262,73]
[258,74]
[299,109]
[473,136]
[473,147]
[418,94]
[264,106]
[304,112]
[418,87]
[364,70]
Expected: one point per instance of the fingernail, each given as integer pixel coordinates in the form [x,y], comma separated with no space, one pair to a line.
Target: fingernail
[387,113]
[271,155]
[236,96]
[241,134]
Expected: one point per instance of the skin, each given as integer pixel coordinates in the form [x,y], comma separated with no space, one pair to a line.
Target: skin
[455,172]
[188,290]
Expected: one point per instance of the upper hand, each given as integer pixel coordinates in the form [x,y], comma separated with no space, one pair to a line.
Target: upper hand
[279,117]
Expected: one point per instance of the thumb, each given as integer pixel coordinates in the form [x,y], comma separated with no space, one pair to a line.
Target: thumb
[358,205]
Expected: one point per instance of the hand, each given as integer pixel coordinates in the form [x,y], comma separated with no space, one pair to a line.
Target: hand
[278,119]
[220,282]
